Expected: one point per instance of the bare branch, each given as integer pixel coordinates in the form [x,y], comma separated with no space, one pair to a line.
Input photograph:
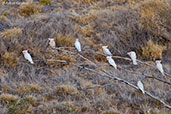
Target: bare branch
[114,77]
[87,59]
[147,76]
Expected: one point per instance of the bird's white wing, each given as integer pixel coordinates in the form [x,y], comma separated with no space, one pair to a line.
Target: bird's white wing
[78,46]
[106,51]
[140,86]
[112,62]
[29,58]
[160,68]
[133,57]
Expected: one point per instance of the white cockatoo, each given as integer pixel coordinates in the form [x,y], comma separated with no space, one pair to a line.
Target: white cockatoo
[111,61]
[140,86]
[78,45]
[27,56]
[133,56]
[159,66]
[106,50]
[52,42]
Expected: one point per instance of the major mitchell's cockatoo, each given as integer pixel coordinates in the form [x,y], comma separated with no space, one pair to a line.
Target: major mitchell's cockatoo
[111,61]
[133,56]
[27,56]
[78,45]
[52,42]
[106,50]
[159,66]
[140,86]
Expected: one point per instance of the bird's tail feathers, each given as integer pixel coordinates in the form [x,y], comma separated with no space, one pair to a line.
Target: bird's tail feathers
[31,62]
[135,62]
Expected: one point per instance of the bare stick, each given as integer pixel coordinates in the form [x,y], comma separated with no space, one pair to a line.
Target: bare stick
[146,76]
[87,59]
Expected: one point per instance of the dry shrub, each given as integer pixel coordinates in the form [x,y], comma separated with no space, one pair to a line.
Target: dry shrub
[21,90]
[152,51]
[154,15]
[87,30]
[86,18]
[110,112]
[100,58]
[3,74]
[45,2]
[9,34]
[25,105]
[67,41]
[29,9]
[67,90]
[4,18]
[31,99]
[10,59]
[6,88]
[35,88]
[58,64]
[8,98]
[85,1]
[121,1]
[99,91]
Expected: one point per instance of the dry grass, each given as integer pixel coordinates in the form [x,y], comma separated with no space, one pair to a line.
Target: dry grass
[21,91]
[152,51]
[9,34]
[154,15]
[29,9]
[87,30]
[31,99]
[67,41]
[10,59]
[4,18]
[100,58]
[84,1]
[35,88]
[67,90]
[25,105]
[86,18]
[45,2]
[52,87]
[59,65]
[6,88]
[8,98]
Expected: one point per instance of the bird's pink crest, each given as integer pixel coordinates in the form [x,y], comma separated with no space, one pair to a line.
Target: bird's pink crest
[158,61]
[129,53]
[25,52]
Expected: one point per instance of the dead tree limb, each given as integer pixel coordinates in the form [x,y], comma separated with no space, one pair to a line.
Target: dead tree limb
[113,77]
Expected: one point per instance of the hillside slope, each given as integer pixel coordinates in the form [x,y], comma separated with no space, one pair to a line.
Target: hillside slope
[65,81]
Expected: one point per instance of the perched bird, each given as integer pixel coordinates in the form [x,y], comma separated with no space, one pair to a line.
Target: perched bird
[111,61]
[106,50]
[140,86]
[78,45]
[52,42]
[133,56]
[159,66]
[27,56]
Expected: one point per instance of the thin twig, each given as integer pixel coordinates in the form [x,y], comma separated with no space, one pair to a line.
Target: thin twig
[146,76]
[87,59]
